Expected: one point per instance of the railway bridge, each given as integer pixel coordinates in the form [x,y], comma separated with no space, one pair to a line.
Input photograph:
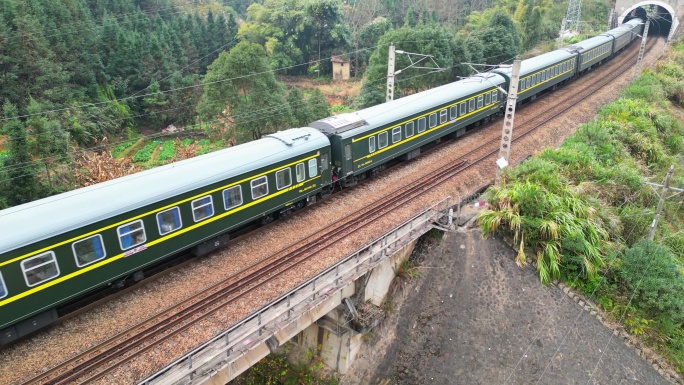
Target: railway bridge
[667,13]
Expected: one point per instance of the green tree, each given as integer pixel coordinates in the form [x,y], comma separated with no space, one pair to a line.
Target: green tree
[22,186]
[281,27]
[429,40]
[367,37]
[240,86]
[499,38]
[301,113]
[529,14]
[48,142]
[330,34]
[319,106]
[410,19]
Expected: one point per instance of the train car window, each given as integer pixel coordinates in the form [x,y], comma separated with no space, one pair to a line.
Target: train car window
[283,178]
[324,162]
[453,112]
[382,140]
[521,84]
[488,98]
[396,134]
[232,197]
[495,96]
[442,116]
[347,151]
[40,268]
[259,187]
[3,289]
[409,129]
[471,105]
[527,83]
[313,168]
[433,120]
[202,208]
[371,144]
[89,250]
[169,220]
[462,107]
[421,124]
[479,101]
[300,173]
[131,234]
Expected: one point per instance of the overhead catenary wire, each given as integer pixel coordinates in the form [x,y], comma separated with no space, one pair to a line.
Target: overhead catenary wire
[216,153]
[204,84]
[113,144]
[188,131]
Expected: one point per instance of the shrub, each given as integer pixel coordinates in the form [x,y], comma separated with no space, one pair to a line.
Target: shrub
[652,275]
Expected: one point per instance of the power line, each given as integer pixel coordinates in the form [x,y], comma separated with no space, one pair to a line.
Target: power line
[274,110]
[259,112]
[177,89]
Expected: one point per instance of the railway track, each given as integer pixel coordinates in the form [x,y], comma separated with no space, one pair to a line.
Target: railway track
[96,363]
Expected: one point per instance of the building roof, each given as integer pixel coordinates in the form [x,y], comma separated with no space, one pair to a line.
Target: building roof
[339,59]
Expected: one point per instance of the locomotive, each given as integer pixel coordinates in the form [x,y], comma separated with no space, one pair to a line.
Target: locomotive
[60,249]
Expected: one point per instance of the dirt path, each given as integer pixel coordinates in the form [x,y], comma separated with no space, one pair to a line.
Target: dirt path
[477,318]
[337,93]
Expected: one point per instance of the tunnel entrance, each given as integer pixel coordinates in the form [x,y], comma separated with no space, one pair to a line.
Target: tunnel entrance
[662,17]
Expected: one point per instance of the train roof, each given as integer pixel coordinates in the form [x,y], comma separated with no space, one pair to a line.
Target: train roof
[44,218]
[590,43]
[624,28]
[632,23]
[355,123]
[536,63]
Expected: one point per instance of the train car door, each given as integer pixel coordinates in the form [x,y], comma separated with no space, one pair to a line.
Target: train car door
[325,168]
[348,157]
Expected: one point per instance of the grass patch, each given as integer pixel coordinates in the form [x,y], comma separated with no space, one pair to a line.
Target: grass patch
[582,211]
[168,151]
[145,154]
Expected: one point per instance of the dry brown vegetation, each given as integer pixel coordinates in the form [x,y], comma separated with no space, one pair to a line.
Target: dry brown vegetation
[92,168]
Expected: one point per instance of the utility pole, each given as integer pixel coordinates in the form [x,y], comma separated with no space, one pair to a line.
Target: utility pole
[637,67]
[610,18]
[390,74]
[663,192]
[560,35]
[507,132]
[414,64]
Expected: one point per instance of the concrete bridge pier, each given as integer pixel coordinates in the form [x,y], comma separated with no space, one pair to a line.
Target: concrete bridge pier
[337,339]
[328,314]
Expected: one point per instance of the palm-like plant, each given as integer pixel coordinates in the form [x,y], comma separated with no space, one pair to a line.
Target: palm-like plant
[561,228]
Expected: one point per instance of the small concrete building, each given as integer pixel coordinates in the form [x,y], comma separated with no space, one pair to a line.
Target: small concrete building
[340,68]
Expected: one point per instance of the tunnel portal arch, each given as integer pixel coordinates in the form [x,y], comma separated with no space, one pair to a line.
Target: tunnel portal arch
[628,9]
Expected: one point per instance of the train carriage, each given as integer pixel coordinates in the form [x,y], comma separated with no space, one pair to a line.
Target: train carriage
[622,35]
[363,142]
[542,72]
[55,249]
[636,26]
[593,51]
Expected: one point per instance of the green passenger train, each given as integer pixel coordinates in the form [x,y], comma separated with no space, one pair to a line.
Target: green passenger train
[60,249]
